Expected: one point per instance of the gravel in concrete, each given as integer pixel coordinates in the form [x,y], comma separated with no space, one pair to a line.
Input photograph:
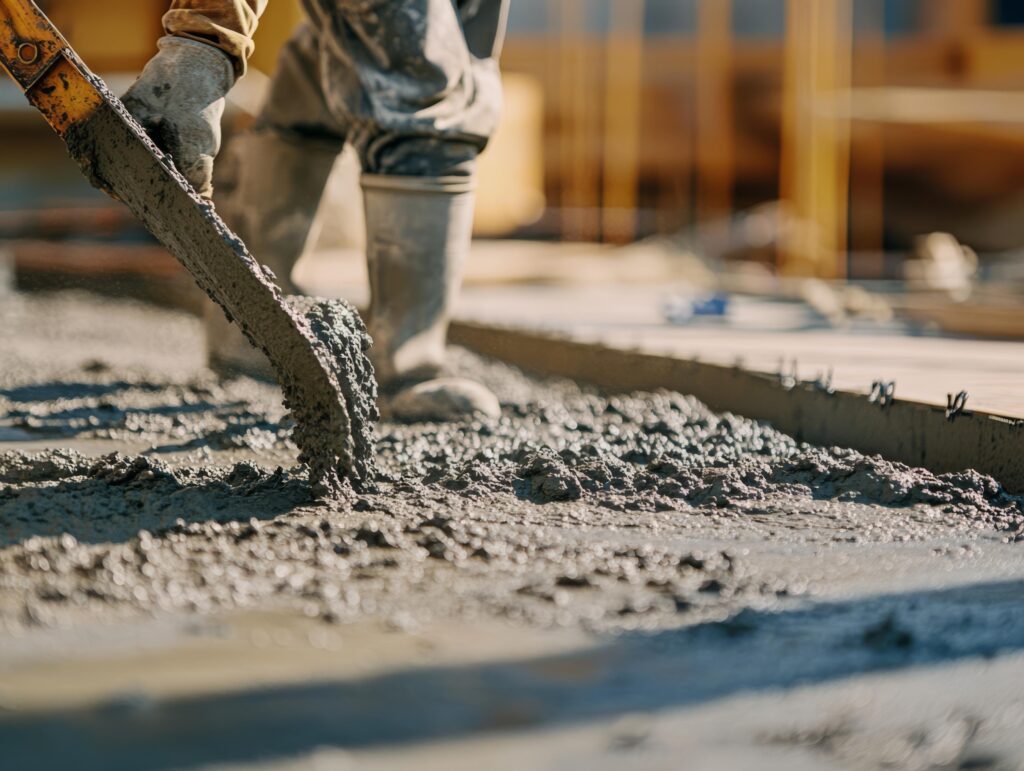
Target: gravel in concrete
[572,508]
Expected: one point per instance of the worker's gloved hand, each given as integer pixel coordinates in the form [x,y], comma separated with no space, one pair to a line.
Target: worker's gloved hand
[179,100]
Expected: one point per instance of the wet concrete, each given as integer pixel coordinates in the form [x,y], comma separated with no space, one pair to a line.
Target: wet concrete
[317,348]
[800,688]
[553,513]
[714,550]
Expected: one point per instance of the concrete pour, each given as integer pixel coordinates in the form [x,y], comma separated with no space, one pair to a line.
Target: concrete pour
[529,516]
[134,482]
[316,347]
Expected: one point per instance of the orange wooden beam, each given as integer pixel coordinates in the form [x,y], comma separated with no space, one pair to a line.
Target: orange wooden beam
[715,134]
[623,103]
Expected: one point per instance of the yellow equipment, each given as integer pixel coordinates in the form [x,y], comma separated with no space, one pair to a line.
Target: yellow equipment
[317,349]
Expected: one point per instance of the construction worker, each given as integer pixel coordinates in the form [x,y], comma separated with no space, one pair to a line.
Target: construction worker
[414,87]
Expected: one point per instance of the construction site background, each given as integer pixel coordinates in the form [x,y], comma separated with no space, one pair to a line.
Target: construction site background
[755,495]
[848,127]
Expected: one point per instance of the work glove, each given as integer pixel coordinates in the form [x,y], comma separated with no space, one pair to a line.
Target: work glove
[179,100]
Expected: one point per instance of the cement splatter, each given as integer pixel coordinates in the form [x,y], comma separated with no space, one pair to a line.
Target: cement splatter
[137,534]
[317,350]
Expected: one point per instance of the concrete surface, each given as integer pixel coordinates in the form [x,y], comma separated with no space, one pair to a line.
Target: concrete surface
[742,613]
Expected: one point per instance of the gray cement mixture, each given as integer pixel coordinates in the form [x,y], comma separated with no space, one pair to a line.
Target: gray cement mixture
[316,347]
[135,484]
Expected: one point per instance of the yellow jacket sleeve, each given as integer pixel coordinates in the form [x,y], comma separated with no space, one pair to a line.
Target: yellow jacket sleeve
[227,24]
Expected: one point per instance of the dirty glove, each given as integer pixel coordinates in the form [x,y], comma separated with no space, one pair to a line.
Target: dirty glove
[179,100]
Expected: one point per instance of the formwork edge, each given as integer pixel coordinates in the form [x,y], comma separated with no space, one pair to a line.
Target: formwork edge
[909,432]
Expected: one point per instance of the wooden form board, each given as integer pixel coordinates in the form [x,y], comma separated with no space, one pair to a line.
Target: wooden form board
[911,432]
[815,144]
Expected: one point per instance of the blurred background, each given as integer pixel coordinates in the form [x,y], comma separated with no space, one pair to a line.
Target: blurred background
[741,144]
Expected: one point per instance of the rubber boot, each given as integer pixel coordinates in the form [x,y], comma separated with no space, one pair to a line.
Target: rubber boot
[418,237]
[272,205]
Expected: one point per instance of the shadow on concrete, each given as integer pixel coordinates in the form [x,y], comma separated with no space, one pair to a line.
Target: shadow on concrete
[44,392]
[752,652]
[230,421]
[64,422]
[99,510]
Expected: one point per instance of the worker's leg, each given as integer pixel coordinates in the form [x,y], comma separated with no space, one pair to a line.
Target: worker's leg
[420,106]
[276,174]
[281,165]
[484,23]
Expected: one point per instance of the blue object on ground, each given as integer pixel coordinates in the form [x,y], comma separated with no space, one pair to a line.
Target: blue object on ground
[682,310]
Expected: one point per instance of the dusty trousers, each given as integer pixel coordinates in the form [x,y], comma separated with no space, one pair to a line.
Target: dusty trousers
[414,87]
[422,105]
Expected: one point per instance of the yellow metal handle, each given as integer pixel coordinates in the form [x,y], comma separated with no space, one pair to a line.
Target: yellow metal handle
[40,60]
[29,43]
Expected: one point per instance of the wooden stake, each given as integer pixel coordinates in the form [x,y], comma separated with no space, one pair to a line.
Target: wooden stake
[580,219]
[715,135]
[867,203]
[816,137]
[623,102]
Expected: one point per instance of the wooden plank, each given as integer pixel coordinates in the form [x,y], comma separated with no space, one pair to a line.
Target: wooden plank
[816,145]
[936,105]
[867,152]
[580,205]
[795,251]
[55,223]
[623,111]
[909,432]
[984,319]
[955,19]
[840,24]
[760,332]
[73,258]
[714,111]
[993,57]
